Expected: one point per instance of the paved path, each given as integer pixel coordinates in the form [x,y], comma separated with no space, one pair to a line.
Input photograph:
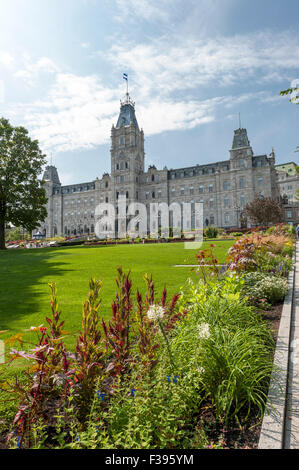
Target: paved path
[291,438]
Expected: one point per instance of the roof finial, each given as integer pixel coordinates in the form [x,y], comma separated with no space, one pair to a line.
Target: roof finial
[239,120]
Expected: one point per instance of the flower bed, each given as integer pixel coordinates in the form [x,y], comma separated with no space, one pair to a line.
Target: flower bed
[184,373]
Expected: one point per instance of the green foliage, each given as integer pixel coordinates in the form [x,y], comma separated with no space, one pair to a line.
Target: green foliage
[211,232]
[260,287]
[268,252]
[264,210]
[158,366]
[32,270]
[15,235]
[22,196]
[234,360]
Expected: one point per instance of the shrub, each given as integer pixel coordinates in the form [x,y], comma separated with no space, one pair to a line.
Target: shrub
[211,232]
[259,251]
[233,357]
[260,286]
[58,397]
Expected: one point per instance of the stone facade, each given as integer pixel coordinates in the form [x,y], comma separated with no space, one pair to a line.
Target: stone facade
[224,187]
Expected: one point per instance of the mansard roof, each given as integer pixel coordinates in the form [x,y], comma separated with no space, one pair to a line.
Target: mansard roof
[240,139]
[209,168]
[127,114]
[51,174]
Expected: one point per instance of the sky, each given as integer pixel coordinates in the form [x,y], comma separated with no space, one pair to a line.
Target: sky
[193,66]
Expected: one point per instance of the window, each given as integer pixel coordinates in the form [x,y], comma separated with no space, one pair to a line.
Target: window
[191,190]
[212,220]
[225,185]
[182,191]
[122,141]
[260,182]
[172,191]
[159,194]
[211,188]
[200,189]
[242,201]
[211,202]
[146,195]
[226,219]
[182,175]
[226,202]
[242,182]
[153,177]
[153,195]
[289,214]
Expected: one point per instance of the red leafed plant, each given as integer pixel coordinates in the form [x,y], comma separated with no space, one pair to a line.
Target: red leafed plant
[89,351]
[56,377]
[117,332]
[207,262]
[48,378]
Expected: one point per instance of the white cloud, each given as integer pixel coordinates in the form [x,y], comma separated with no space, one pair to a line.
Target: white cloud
[85,45]
[168,76]
[146,9]
[77,113]
[32,70]
[6,59]
[168,65]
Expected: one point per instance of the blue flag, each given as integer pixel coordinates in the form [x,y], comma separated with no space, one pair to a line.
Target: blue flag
[125,76]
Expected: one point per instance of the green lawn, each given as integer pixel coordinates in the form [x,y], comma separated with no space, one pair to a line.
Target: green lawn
[25,274]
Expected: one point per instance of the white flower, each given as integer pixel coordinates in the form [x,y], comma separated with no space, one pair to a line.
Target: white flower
[203,330]
[155,312]
[201,370]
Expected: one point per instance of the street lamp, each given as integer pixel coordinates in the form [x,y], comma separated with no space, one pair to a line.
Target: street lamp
[237,209]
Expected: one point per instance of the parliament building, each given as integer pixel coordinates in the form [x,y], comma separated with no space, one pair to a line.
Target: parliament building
[224,187]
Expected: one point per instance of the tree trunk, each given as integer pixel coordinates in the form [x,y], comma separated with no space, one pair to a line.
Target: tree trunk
[2,233]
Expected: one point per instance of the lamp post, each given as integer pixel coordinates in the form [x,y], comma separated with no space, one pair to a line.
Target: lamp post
[237,209]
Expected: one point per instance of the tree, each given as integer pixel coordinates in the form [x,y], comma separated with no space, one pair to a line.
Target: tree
[294,99]
[22,196]
[264,210]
